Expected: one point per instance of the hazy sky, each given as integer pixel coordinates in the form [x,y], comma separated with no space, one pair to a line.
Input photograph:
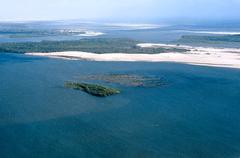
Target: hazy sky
[122,10]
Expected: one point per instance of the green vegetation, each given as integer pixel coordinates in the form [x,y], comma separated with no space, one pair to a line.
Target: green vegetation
[131,80]
[94,45]
[209,39]
[93,89]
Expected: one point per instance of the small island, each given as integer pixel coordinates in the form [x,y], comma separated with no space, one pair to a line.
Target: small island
[209,39]
[93,89]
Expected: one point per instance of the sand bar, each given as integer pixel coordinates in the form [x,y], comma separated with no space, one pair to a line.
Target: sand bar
[225,57]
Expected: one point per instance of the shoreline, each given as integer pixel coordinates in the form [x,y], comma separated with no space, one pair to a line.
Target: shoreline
[215,57]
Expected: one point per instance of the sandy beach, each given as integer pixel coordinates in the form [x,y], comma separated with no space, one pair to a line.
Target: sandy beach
[225,57]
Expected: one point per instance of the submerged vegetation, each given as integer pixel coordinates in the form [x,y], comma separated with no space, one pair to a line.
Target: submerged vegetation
[94,45]
[121,79]
[131,80]
[93,89]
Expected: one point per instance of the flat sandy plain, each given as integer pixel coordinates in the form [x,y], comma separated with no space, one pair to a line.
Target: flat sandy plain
[205,56]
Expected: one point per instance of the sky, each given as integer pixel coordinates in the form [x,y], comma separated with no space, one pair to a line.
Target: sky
[118,10]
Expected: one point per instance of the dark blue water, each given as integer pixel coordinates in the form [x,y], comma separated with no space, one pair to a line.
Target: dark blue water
[197,115]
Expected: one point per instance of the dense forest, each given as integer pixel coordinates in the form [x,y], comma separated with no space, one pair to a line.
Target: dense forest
[210,39]
[94,45]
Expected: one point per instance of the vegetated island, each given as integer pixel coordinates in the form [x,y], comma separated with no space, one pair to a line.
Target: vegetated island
[93,89]
[209,39]
[26,32]
[93,45]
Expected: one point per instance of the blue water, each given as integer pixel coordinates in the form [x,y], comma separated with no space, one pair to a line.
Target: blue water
[196,115]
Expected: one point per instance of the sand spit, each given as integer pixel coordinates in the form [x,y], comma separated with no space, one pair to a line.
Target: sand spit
[225,57]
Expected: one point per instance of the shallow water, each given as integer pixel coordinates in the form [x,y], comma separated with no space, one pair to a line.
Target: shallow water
[196,115]
[36,32]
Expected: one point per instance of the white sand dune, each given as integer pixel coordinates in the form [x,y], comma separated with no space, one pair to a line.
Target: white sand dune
[90,34]
[131,26]
[228,57]
[215,32]
[82,32]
